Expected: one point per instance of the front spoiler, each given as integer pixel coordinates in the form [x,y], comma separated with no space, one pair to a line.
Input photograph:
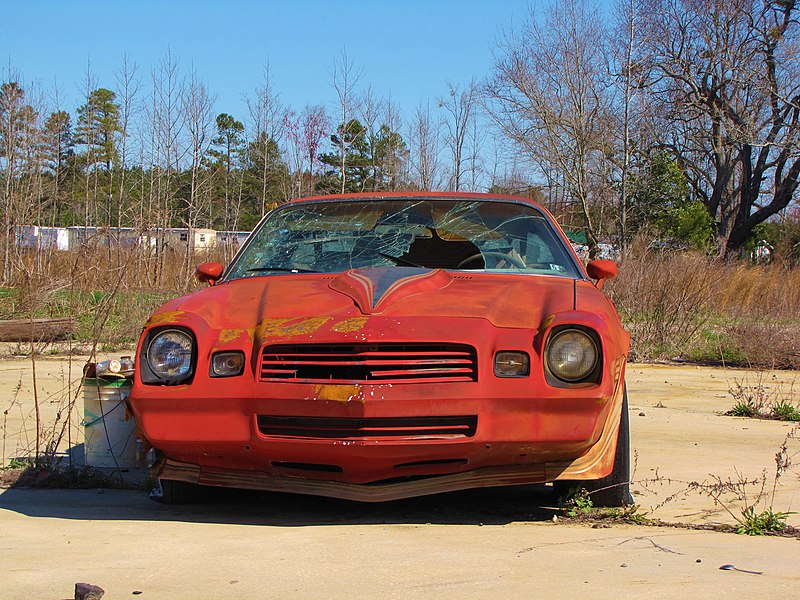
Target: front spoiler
[375,492]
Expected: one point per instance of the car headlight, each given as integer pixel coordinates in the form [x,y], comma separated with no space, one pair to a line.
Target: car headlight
[572,355]
[169,355]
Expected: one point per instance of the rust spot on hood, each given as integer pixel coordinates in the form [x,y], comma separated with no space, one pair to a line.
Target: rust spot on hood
[229,335]
[350,325]
[165,317]
[337,393]
[277,328]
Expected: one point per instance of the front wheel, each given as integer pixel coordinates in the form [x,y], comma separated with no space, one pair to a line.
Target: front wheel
[614,489]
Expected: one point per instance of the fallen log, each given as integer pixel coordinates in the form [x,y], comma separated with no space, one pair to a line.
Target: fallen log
[38,330]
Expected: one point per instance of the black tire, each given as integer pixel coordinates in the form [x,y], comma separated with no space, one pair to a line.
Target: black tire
[170,491]
[614,489]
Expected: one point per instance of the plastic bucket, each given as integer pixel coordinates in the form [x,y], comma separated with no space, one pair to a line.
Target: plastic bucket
[109,434]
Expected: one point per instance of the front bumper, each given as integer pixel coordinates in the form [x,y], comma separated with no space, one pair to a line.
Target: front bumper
[369,467]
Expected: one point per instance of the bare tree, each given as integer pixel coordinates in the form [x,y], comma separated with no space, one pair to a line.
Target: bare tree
[458,105]
[304,135]
[626,49]
[12,102]
[725,75]
[198,109]
[127,89]
[394,152]
[90,176]
[550,96]
[370,110]
[166,121]
[57,147]
[23,161]
[475,143]
[345,78]
[267,123]
[314,123]
[424,136]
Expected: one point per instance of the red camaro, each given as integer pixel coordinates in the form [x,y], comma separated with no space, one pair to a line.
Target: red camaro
[382,346]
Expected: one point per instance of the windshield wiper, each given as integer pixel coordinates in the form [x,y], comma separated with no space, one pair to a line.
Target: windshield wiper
[282,270]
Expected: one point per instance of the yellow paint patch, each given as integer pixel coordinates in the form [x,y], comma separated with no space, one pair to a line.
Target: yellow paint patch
[290,327]
[603,400]
[165,317]
[546,323]
[337,393]
[350,325]
[229,335]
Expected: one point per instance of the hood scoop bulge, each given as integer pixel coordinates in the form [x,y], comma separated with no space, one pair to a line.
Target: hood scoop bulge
[374,289]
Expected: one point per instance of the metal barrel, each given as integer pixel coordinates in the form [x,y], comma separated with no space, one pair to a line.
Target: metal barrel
[109,432]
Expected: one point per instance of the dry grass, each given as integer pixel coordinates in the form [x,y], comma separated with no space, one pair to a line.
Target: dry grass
[109,292]
[690,306]
[665,300]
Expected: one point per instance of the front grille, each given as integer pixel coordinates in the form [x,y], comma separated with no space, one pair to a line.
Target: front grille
[377,363]
[341,428]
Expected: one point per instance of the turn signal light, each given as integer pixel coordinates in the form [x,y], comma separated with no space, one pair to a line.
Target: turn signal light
[512,364]
[227,364]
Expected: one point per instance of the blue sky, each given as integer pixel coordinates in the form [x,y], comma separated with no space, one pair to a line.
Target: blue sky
[408,49]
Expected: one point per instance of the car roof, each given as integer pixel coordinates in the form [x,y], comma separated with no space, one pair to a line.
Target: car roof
[400,195]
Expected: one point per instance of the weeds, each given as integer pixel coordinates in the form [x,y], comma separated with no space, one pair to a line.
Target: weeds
[743,408]
[767,521]
[784,410]
[760,401]
[578,505]
[98,311]
[677,305]
[665,300]
[107,299]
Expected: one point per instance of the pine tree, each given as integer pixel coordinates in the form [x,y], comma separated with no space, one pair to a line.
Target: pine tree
[98,128]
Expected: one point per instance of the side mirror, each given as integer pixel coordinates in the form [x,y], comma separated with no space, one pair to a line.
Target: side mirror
[601,270]
[208,272]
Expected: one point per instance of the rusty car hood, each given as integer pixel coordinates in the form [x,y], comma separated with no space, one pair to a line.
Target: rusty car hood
[504,300]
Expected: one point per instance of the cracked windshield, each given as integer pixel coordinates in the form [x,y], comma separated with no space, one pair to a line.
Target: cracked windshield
[331,237]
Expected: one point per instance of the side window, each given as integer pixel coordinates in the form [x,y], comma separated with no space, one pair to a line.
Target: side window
[537,250]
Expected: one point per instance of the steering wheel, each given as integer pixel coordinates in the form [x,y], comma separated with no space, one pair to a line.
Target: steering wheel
[496,254]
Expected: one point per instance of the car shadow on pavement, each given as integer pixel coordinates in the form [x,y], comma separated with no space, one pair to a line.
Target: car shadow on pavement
[493,506]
